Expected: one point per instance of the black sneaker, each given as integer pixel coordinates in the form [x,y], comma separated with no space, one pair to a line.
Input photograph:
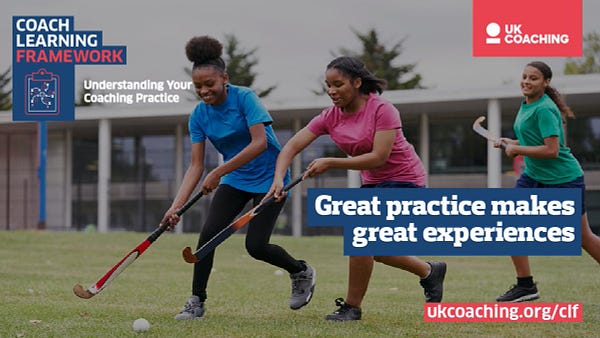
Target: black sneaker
[193,309]
[345,312]
[519,294]
[434,282]
[303,285]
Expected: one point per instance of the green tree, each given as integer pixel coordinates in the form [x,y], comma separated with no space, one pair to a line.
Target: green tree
[5,93]
[239,65]
[379,59]
[590,61]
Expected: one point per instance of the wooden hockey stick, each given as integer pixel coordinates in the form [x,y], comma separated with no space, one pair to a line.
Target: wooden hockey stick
[484,132]
[103,282]
[193,257]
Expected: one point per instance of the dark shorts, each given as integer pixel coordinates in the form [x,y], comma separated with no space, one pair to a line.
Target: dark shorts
[527,182]
[392,184]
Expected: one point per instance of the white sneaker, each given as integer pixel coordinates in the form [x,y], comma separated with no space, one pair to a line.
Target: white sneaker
[193,309]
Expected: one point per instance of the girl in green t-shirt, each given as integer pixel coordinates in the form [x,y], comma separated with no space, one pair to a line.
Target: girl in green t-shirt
[549,163]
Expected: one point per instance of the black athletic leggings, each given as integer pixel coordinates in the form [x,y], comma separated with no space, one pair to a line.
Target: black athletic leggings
[226,205]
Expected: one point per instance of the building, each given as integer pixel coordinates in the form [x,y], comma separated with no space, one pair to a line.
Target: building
[117,167]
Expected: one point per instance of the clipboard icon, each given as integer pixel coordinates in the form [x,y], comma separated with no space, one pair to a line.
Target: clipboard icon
[42,93]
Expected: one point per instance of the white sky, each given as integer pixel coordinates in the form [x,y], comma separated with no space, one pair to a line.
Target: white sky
[294,38]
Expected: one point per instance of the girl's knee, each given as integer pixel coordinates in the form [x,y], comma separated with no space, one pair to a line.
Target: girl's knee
[256,251]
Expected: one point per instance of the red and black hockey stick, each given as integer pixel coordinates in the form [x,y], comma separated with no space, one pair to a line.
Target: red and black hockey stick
[103,282]
[193,257]
[484,132]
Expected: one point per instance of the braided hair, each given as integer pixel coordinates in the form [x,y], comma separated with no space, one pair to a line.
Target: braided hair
[354,68]
[551,91]
[205,51]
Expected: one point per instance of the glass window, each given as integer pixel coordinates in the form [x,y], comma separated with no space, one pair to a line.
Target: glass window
[142,158]
[158,153]
[124,160]
[142,176]
[411,130]
[583,137]
[455,148]
[85,161]
[85,183]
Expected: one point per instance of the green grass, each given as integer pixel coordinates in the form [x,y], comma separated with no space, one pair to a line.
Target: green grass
[247,298]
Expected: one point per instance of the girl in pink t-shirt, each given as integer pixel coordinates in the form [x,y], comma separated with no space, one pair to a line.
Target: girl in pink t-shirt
[368,129]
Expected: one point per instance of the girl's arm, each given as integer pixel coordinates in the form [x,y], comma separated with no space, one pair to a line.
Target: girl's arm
[377,157]
[548,150]
[294,146]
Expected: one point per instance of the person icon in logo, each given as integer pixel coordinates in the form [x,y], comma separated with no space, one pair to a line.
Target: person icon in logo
[492,30]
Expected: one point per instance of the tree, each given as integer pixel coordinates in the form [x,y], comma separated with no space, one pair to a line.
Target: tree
[590,61]
[239,65]
[380,61]
[5,93]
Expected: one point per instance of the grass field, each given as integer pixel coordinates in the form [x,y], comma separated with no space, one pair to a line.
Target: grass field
[248,299]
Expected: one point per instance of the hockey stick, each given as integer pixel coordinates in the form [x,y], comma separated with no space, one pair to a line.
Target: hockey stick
[103,282]
[193,257]
[484,132]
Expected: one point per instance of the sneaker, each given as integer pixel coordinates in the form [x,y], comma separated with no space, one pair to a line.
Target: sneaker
[434,282]
[345,312]
[193,309]
[303,285]
[519,294]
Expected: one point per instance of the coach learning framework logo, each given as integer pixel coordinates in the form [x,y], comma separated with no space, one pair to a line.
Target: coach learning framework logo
[42,93]
[45,52]
[527,28]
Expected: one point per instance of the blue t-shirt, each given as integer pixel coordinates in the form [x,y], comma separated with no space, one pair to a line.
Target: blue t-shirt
[227,127]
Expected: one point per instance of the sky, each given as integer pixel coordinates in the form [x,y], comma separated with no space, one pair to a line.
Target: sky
[294,39]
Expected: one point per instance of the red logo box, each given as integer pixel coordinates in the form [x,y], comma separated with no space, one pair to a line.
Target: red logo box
[540,28]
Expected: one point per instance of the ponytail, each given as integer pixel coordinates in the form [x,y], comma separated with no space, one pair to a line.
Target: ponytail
[560,102]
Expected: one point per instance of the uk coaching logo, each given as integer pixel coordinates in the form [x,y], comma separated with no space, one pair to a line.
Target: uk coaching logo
[45,52]
[492,30]
[541,28]
[513,34]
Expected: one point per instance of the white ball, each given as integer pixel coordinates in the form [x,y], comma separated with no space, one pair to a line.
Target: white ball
[141,325]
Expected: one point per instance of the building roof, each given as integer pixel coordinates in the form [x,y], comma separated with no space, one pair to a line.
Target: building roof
[581,91]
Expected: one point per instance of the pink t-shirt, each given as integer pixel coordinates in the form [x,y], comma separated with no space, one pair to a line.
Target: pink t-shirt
[353,133]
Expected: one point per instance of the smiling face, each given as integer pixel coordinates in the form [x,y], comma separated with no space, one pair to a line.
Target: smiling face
[343,91]
[210,84]
[533,84]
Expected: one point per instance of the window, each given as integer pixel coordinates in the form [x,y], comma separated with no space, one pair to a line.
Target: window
[455,148]
[583,137]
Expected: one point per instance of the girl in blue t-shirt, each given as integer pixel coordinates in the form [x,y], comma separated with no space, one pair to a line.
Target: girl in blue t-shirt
[238,125]
[549,163]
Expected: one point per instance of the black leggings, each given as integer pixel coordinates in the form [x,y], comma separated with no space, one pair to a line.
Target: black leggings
[225,206]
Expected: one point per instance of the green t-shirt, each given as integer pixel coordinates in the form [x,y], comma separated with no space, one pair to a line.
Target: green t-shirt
[534,122]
